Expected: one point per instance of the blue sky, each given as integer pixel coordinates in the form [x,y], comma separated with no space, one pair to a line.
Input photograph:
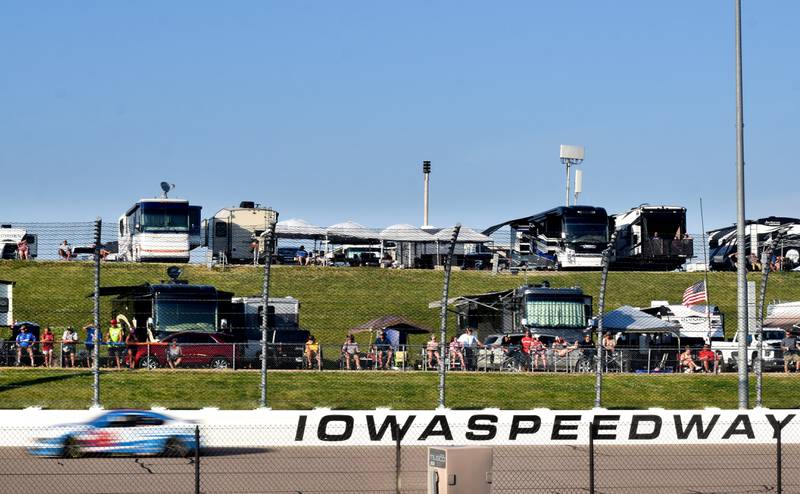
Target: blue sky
[325,110]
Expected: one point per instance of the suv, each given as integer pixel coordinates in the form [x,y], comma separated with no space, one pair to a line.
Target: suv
[286,255]
[198,348]
[286,348]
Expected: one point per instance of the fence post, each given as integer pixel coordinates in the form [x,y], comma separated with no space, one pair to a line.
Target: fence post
[766,254]
[270,235]
[98,226]
[778,463]
[601,305]
[448,264]
[397,458]
[197,459]
[591,456]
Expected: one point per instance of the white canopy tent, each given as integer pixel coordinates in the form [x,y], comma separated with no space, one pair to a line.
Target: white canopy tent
[350,232]
[296,228]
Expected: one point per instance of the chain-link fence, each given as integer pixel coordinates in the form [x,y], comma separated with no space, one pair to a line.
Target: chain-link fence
[132,451]
[353,320]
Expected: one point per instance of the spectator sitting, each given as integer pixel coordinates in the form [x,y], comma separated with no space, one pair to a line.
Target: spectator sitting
[312,352]
[23,250]
[25,341]
[174,355]
[456,354]
[432,349]
[350,352]
[302,256]
[48,339]
[65,251]
[708,358]
[383,351]
[560,347]
[68,346]
[686,362]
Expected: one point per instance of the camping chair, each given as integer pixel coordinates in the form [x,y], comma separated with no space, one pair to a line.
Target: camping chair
[400,358]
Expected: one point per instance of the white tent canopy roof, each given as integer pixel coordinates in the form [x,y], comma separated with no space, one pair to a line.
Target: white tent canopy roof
[297,228]
[350,230]
[466,235]
[403,232]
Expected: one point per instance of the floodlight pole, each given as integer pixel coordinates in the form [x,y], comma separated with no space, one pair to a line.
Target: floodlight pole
[741,254]
[568,162]
[98,227]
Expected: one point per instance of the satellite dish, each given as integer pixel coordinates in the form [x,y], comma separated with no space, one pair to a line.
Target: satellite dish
[165,188]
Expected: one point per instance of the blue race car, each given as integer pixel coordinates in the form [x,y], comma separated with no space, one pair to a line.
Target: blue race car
[120,432]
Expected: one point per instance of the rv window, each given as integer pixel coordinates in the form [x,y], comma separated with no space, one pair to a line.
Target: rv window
[121,227]
[220,229]
[4,305]
[555,314]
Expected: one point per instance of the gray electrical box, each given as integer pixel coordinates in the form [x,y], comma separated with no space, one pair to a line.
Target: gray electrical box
[460,470]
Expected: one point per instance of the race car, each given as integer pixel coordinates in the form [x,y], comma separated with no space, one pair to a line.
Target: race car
[119,432]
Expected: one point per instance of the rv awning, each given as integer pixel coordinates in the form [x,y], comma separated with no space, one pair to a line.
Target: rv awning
[784,315]
[630,319]
[398,323]
[483,299]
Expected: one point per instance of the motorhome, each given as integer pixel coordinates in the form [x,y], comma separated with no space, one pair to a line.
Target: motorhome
[11,236]
[232,234]
[567,237]
[544,310]
[723,249]
[156,310]
[159,230]
[651,238]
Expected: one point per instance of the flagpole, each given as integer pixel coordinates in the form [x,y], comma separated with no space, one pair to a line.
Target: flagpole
[706,268]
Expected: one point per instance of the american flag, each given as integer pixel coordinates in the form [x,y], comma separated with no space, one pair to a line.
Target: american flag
[695,293]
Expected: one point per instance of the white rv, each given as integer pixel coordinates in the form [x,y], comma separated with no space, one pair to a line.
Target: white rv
[231,233]
[698,323]
[10,237]
[6,303]
[159,230]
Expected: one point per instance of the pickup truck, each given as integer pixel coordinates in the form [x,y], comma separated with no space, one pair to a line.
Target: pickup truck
[772,356]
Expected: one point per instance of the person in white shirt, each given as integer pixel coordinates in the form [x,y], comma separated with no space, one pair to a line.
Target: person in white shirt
[469,342]
[69,340]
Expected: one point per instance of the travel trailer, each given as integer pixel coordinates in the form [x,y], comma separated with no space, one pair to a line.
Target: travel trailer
[561,238]
[159,230]
[232,234]
[10,236]
[722,242]
[651,238]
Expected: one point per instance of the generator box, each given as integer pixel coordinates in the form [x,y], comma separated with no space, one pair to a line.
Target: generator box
[460,470]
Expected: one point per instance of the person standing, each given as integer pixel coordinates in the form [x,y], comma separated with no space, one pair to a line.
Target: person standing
[469,342]
[92,335]
[48,339]
[526,343]
[790,351]
[131,344]
[25,341]
[68,346]
[116,342]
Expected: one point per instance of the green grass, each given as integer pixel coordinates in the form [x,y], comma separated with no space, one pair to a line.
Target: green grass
[336,299]
[67,389]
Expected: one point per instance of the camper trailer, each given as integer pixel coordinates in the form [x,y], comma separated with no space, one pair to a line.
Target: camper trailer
[722,248]
[159,230]
[567,237]
[698,324]
[6,303]
[11,236]
[651,238]
[232,234]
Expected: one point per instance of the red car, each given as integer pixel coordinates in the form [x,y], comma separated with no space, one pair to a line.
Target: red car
[215,350]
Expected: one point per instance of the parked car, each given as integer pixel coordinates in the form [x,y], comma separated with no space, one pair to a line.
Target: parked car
[119,432]
[198,348]
[286,255]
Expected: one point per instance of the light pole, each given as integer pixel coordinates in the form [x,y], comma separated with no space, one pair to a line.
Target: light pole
[571,155]
[741,252]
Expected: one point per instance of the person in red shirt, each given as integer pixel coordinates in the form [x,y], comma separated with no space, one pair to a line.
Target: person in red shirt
[527,342]
[47,346]
[708,358]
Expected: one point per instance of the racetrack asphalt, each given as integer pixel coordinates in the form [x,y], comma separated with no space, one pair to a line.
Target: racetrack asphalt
[517,469]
